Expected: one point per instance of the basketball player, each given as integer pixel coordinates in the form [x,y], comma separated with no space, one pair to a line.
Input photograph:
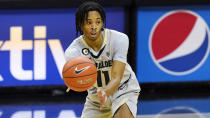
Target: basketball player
[115,93]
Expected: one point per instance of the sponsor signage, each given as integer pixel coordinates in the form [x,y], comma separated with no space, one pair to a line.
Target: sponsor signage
[41,111]
[185,108]
[33,41]
[173,45]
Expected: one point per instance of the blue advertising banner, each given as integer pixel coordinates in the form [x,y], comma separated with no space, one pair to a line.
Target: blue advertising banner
[177,108]
[42,111]
[173,44]
[33,41]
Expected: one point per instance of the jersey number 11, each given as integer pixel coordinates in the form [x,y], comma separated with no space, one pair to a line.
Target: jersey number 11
[106,76]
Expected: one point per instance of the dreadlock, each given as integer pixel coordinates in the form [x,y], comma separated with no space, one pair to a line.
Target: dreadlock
[82,14]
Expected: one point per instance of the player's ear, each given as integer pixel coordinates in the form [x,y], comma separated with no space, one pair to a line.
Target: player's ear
[81,29]
[82,26]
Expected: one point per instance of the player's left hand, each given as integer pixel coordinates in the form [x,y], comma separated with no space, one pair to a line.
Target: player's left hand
[102,97]
[67,90]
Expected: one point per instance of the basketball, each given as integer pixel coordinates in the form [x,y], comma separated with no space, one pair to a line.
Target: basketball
[79,73]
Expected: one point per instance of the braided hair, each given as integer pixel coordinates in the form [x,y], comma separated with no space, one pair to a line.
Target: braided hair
[82,14]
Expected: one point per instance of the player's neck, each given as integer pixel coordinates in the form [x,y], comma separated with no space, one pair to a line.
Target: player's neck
[96,44]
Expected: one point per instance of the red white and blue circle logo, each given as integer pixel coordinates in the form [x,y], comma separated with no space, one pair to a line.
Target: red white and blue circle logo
[179,42]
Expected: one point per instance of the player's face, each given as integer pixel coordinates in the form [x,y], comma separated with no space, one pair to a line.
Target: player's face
[92,25]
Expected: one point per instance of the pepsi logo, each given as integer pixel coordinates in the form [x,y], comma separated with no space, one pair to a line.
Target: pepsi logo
[179,42]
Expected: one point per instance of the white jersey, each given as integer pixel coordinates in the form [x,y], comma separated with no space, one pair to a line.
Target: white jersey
[114,47]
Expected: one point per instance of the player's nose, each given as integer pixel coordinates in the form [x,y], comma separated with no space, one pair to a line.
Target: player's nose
[94,26]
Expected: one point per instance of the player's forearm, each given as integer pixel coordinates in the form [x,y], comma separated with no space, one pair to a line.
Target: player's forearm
[116,76]
[112,86]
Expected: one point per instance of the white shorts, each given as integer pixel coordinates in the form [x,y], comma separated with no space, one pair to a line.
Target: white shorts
[127,93]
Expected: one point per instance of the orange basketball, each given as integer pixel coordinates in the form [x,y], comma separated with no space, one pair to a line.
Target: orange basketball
[79,73]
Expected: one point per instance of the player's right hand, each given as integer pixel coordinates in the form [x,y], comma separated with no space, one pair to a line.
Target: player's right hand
[102,97]
[67,90]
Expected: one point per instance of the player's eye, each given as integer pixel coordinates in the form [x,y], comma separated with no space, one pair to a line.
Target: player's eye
[98,22]
[88,23]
